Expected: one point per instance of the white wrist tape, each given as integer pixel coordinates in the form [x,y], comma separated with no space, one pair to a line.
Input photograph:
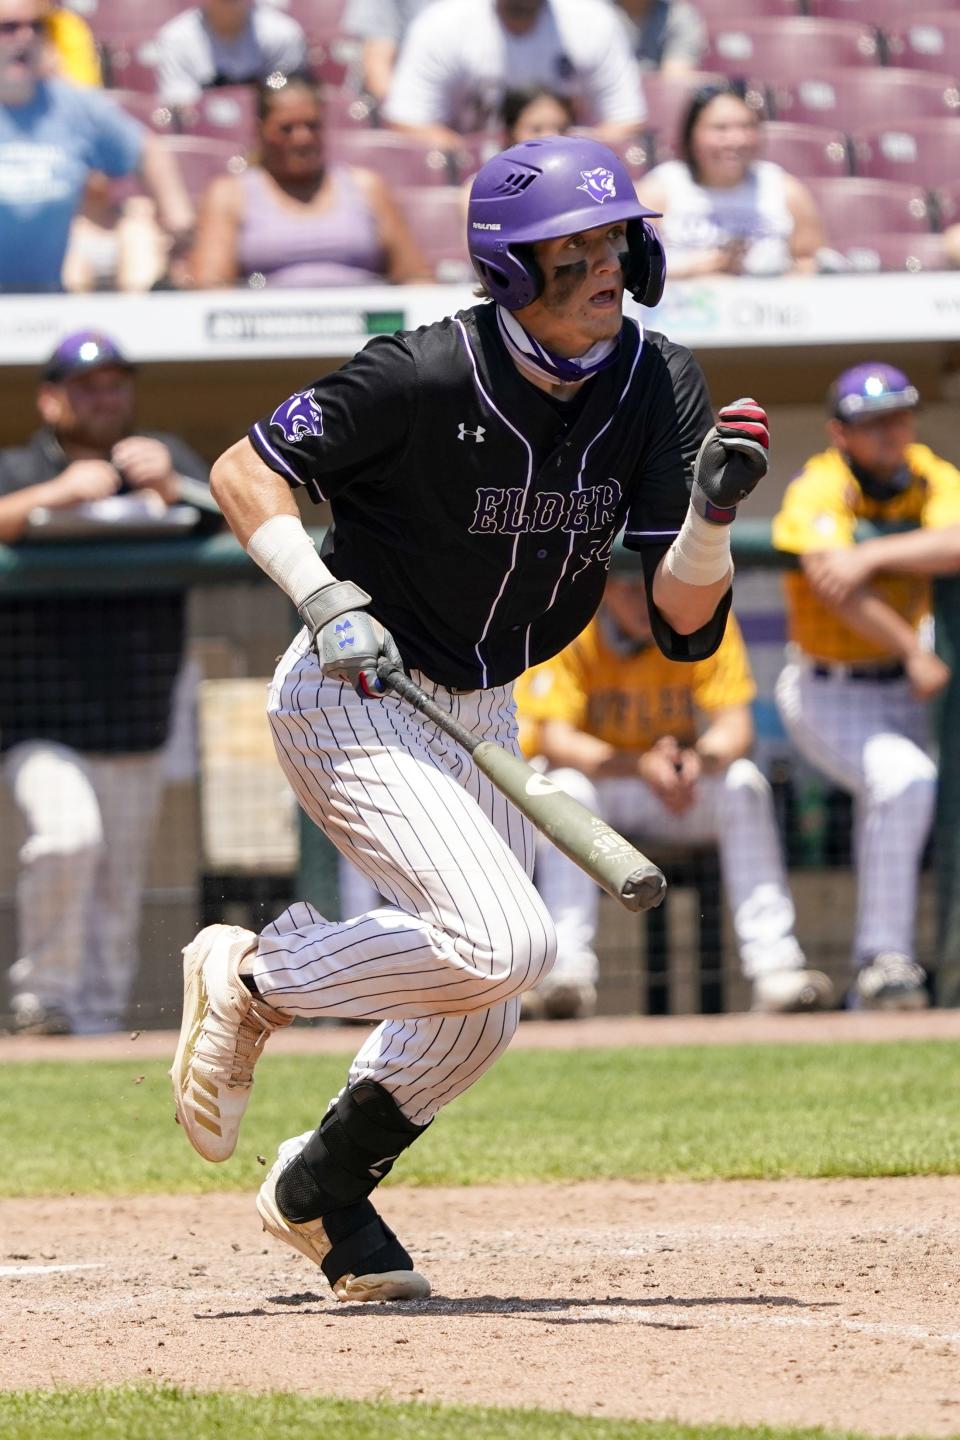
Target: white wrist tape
[283,549]
[700,555]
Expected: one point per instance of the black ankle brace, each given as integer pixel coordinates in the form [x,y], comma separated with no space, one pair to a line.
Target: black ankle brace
[348,1155]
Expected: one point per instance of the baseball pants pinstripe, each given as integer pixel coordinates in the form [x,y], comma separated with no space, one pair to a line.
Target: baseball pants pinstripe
[870,738]
[465,933]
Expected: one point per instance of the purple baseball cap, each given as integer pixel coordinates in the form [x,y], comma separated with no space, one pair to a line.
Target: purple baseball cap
[868,390]
[84,350]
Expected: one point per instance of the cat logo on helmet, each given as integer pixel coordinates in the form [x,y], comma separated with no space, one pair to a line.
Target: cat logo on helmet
[599,184]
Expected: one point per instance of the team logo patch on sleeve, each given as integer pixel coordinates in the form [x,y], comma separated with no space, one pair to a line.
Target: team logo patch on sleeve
[599,184]
[298,417]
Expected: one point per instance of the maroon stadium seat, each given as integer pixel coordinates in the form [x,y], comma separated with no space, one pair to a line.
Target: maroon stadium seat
[923,152]
[855,210]
[121,19]
[315,16]
[344,109]
[911,254]
[770,50]
[227,112]
[668,97]
[926,42]
[146,109]
[398,158]
[719,14]
[805,150]
[859,99]
[130,63]
[202,158]
[886,14]
[438,220]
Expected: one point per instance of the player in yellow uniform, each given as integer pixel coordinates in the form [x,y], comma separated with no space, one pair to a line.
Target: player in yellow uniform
[852,696]
[659,749]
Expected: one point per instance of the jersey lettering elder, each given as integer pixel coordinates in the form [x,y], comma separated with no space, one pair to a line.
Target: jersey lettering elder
[478,470]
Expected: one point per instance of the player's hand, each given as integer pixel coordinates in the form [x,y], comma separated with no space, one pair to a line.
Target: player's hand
[349,649]
[82,481]
[732,460]
[835,575]
[146,464]
[927,673]
[661,768]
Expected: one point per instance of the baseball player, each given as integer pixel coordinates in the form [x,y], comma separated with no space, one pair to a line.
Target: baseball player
[477,470]
[659,749]
[852,696]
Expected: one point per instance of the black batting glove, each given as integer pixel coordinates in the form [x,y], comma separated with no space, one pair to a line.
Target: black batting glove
[731,461]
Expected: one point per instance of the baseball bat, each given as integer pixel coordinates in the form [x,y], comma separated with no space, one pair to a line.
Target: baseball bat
[617,866]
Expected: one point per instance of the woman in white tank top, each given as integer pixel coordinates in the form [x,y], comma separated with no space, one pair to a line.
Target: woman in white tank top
[726,212]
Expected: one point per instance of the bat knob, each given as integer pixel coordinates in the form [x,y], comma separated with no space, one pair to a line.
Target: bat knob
[644,889]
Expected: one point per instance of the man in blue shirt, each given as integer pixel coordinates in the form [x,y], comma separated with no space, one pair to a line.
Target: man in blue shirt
[52,134]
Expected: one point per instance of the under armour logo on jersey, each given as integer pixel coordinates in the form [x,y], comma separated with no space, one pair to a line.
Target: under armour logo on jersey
[475,435]
[298,417]
[599,184]
[345,638]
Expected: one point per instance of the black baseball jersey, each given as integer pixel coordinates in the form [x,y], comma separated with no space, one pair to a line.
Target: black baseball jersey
[479,512]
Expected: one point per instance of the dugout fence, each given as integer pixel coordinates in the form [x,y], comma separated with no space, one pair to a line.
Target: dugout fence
[230,843]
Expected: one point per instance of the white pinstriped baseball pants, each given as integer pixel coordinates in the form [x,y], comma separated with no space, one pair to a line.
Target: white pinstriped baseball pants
[465,934]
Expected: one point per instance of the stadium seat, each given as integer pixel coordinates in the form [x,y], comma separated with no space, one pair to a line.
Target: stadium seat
[788,49]
[668,97]
[315,16]
[856,210]
[946,199]
[438,222]
[334,59]
[639,155]
[911,254]
[923,152]
[344,109]
[719,14]
[130,62]
[146,109]
[926,42]
[112,20]
[225,113]
[885,14]
[201,158]
[805,150]
[398,158]
[860,99]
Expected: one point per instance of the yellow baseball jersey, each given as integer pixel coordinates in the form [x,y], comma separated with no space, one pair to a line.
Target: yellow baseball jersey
[630,701]
[820,511]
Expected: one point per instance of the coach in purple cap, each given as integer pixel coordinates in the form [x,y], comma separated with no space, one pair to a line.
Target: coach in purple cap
[87,686]
[853,696]
[478,471]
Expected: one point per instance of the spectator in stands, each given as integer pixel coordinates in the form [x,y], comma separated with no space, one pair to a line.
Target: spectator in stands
[118,244]
[72,46]
[951,244]
[659,749]
[725,211]
[294,219]
[667,35]
[853,693]
[52,134]
[534,112]
[225,42]
[460,57]
[381,26]
[86,694]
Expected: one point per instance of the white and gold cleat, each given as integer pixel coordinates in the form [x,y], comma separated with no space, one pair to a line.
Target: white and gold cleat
[222,1035]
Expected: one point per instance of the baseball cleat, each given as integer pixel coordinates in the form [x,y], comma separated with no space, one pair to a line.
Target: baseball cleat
[789,992]
[222,1035]
[569,999]
[891,981]
[362,1233]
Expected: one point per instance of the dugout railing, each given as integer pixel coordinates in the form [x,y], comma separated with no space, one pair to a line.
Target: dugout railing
[238,623]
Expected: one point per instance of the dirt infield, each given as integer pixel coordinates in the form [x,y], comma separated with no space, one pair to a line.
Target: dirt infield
[814,1302]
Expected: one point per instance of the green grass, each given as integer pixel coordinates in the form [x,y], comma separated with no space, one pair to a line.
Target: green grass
[757,1111]
[167,1413]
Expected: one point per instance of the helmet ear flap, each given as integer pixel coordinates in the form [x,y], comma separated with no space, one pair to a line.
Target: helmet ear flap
[514,279]
[646,270]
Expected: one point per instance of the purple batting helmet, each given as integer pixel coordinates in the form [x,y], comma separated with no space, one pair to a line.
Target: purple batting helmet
[543,189]
[868,390]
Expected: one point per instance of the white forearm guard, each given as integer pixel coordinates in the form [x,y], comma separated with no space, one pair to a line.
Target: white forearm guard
[700,555]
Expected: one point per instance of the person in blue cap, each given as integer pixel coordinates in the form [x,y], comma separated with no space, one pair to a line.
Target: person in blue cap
[478,470]
[87,687]
[853,696]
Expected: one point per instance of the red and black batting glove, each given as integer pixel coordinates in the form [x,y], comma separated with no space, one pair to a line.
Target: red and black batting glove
[731,461]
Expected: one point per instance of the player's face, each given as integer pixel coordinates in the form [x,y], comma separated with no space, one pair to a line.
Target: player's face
[291,136]
[625,596]
[95,408]
[582,300]
[21,49]
[878,444]
[725,141]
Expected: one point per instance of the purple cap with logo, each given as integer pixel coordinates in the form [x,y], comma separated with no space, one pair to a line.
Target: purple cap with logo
[84,350]
[868,390]
[540,190]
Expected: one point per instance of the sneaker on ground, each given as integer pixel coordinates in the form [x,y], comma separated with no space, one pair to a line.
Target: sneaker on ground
[891,981]
[222,1035]
[363,1231]
[32,1017]
[788,992]
[569,999]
